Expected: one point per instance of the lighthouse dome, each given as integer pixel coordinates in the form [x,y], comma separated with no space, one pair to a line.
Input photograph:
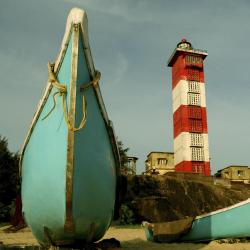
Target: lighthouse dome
[184,44]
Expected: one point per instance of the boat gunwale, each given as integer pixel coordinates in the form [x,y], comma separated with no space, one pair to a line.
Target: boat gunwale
[43,100]
[239,204]
[97,92]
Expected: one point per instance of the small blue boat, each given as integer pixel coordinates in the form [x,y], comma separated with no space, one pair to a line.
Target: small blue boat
[70,161]
[230,222]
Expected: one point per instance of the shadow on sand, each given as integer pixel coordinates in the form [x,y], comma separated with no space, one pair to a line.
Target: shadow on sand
[140,244]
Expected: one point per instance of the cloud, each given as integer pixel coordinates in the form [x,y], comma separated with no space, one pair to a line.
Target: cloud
[127,10]
[121,67]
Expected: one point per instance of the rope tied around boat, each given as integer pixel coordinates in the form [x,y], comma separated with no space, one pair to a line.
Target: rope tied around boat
[62,91]
[93,83]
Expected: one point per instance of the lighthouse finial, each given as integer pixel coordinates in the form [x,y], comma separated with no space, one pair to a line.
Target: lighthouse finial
[184,39]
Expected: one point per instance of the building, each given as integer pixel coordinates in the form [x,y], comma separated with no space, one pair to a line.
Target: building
[129,167]
[159,163]
[235,173]
[191,150]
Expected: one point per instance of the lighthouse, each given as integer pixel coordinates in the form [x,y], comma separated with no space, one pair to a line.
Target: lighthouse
[191,149]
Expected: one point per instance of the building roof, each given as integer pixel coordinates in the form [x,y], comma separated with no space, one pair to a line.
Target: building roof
[237,166]
[159,152]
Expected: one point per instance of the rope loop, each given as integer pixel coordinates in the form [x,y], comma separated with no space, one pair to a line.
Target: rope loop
[62,91]
[93,83]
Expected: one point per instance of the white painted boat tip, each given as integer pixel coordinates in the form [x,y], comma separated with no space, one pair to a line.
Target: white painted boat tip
[76,15]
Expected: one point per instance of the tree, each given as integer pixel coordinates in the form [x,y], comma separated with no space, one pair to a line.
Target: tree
[123,153]
[127,163]
[9,177]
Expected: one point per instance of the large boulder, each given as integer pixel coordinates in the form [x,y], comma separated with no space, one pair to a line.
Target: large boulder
[176,196]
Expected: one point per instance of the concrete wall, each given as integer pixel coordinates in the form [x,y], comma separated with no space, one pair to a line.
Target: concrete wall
[236,173]
[162,162]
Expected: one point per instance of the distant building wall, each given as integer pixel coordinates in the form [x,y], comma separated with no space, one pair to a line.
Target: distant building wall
[236,173]
[159,163]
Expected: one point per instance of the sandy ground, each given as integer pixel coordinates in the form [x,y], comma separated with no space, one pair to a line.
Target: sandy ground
[129,238]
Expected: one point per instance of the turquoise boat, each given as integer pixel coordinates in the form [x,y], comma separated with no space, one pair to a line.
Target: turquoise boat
[70,161]
[229,222]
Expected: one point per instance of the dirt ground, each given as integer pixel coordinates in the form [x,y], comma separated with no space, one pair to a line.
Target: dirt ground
[130,238]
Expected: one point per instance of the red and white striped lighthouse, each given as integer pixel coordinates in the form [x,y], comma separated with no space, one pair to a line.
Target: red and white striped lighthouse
[191,150]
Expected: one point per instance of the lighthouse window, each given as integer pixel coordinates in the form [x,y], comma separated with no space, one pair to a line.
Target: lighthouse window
[193,74]
[194,99]
[194,112]
[193,59]
[196,139]
[193,87]
[195,125]
[197,154]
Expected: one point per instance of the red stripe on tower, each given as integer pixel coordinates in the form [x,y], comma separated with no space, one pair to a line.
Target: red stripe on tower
[190,119]
[191,150]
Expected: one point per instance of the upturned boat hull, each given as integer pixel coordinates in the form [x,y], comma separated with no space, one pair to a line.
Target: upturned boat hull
[70,161]
[230,222]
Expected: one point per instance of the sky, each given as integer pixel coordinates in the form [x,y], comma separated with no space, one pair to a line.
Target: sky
[131,42]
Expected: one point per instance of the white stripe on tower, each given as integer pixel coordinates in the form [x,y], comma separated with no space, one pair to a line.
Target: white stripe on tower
[183,144]
[180,94]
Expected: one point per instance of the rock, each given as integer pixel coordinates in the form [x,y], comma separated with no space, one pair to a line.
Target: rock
[175,196]
[108,244]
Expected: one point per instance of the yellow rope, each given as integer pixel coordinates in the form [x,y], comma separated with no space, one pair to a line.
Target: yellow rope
[84,117]
[94,82]
[54,105]
[62,90]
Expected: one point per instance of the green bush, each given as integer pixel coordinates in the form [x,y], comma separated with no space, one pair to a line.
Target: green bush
[9,178]
[126,215]
[5,212]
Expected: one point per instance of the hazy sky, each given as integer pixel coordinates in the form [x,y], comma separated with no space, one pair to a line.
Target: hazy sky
[131,41]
